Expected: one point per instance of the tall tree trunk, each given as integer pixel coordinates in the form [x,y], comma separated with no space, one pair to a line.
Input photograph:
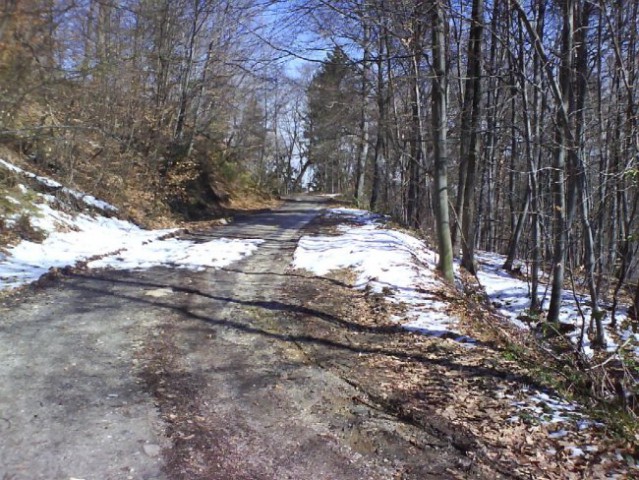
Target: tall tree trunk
[517,67]
[578,153]
[534,160]
[186,70]
[362,147]
[473,90]
[562,217]
[440,121]
[416,135]
[521,85]
[378,158]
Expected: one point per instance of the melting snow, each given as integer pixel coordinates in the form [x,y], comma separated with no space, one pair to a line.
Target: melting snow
[551,410]
[386,261]
[75,238]
[86,198]
[511,297]
[401,266]
[180,253]
[565,420]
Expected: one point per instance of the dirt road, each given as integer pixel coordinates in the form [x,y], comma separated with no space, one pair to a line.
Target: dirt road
[168,374]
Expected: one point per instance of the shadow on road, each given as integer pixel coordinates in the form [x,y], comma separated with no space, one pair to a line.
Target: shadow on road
[244,324]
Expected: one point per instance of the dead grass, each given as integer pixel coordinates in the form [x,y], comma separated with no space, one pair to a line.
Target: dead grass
[139,192]
[251,200]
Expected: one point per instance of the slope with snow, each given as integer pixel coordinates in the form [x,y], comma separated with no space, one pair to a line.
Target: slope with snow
[83,197]
[385,260]
[403,268]
[511,297]
[120,244]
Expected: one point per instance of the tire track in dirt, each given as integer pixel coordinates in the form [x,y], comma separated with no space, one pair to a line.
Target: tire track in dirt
[168,374]
[249,402]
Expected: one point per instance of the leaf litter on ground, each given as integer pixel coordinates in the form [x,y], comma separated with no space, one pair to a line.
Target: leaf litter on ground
[520,422]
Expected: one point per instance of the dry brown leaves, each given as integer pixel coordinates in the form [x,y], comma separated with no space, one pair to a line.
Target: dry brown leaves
[472,389]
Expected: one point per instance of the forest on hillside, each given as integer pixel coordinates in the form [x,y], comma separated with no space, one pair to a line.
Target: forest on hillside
[502,125]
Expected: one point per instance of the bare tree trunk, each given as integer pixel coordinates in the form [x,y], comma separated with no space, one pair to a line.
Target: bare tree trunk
[517,69]
[416,133]
[186,70]
[473,90]
[439,115]
[521,85]
[378,158]
[538,108]
[562,138]
[515,238]
[581,70]
[362,147]
[533,162]
[484,211]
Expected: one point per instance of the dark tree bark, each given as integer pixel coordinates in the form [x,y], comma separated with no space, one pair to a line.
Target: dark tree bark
[471,117]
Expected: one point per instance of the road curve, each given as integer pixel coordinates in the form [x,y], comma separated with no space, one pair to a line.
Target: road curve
[168,374]
[74,401]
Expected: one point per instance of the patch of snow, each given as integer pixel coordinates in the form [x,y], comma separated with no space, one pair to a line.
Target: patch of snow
[159,292]
[547,409]
[73,238]
[511,298]
[576,451]
[181,254]
[94,202]
[11,167]
[628,336]
[508,294]
[85,237]
[48,182]
[386,261]
[355,215]
[550,410]
[566,420]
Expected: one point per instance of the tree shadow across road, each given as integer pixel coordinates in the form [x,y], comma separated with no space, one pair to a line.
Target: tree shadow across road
[244,324]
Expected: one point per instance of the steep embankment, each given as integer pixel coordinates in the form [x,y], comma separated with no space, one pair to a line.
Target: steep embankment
[47,226]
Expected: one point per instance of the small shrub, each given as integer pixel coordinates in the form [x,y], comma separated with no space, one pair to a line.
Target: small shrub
[4,233]
[26,231]
[7,179]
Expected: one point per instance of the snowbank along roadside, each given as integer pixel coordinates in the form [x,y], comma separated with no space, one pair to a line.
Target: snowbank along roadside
[386,261]
[403,268]
[120,244]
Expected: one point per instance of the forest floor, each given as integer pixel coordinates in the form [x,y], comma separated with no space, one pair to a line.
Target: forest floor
[251,368]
